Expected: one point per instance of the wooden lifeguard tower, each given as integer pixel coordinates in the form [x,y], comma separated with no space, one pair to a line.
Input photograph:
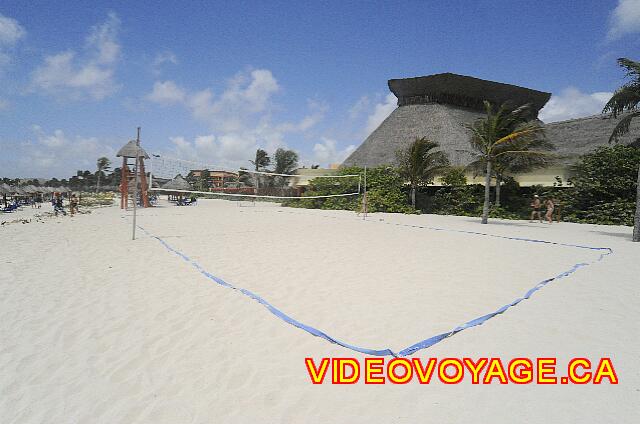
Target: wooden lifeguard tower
[133,174]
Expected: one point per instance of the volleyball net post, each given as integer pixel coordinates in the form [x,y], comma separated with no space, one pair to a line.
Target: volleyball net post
[364,196]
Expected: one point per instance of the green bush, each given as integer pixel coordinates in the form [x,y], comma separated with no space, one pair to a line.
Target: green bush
[384,192]
[462,200]
[454,177]
[604,187]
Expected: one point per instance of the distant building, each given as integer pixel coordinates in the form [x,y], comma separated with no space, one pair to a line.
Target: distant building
[216,179]
[438,106]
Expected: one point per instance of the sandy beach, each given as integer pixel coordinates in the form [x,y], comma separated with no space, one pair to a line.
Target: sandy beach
[98,328]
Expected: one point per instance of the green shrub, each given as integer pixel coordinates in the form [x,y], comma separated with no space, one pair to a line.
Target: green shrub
[462,200]
[384,192]
[604,187]
[454,177]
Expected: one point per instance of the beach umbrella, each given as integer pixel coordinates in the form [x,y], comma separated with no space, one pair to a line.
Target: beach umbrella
[5,189]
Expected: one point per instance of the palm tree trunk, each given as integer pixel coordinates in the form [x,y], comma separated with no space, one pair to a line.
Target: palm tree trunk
[636,220]
[413,197]
[498,181]
[98,185]
[487,194]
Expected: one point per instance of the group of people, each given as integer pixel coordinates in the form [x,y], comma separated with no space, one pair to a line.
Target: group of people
[58,204]
[550,205]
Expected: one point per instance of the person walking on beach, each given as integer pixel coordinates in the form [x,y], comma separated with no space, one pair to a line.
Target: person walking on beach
[557,208]
[58,206]
[550,206]
[73,204]
[536,204]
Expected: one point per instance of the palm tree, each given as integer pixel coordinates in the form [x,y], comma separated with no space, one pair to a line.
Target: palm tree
[503,132]
[286,161]
[419,163]
[103,164]
[515,163]
[261,161]
[627,99]
[203,180]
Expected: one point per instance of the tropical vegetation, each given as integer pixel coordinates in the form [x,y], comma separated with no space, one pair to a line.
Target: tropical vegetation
[103,164]
[504,134]
[627,100]
[420,163]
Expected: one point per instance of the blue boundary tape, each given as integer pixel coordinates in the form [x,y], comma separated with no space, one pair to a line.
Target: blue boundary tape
[424,344]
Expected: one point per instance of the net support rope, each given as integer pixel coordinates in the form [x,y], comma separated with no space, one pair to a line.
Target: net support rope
[215,193]
[426,343]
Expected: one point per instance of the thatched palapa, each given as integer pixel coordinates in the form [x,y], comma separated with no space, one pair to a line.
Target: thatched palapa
[439,106]
[464,91]
[131,150]
[178,183]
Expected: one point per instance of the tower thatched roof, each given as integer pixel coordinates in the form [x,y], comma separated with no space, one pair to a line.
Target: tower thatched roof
[464,91]
[131,149]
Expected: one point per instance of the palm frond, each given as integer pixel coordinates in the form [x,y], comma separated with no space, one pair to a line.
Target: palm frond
[514,136]
[632,67]
[626,97]
[623,126]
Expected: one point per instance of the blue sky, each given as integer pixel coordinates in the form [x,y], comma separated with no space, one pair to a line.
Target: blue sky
[213,81]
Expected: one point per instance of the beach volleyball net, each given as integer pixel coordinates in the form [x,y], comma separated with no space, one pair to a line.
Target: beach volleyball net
[184,178]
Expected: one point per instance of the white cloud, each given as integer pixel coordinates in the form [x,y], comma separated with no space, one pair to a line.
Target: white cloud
[625,19]
[54,155]
[572,103]
[327,153]
[380,112]
[240,118]
[167,92]
[228,151]
[70,75]
[245,96]
[162,58]
[10,31]
[361,106]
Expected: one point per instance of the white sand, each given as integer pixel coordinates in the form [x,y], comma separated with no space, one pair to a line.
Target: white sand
[97,328]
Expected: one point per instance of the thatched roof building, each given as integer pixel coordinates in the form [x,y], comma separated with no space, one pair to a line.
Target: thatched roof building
[463,91]
[579,136]
[438,107]
[178,183]
[437,122]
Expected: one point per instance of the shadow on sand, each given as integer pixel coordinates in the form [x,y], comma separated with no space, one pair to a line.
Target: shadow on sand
[627,236]
[509,223]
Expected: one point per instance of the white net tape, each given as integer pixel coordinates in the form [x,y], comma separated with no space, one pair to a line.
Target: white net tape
[182,177]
